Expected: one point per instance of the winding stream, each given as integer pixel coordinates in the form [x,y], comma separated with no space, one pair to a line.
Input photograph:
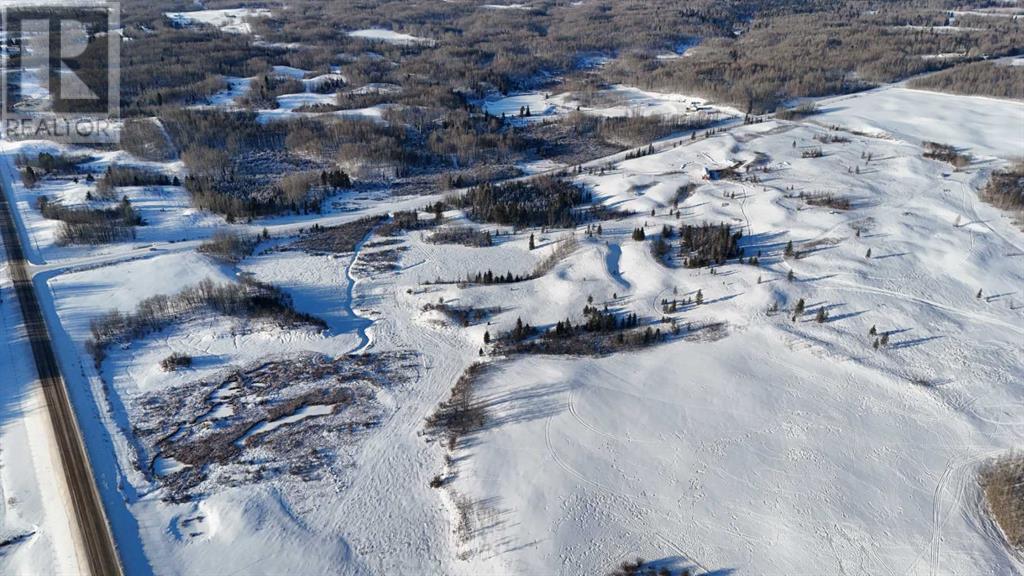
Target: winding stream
[359,323]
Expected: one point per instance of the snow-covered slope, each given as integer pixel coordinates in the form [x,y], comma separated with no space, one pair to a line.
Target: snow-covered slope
[747,453]
[755,444]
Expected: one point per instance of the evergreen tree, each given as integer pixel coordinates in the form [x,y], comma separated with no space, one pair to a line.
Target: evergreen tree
[532,244]
[700,297]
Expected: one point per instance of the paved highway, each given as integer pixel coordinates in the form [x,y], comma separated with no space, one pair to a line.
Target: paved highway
[97,539]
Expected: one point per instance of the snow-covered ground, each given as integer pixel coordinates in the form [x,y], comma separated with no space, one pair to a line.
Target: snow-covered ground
[234,20]
[616,101]
[768,446]
[388,36]
[165,210]
[984,126]
[746,453]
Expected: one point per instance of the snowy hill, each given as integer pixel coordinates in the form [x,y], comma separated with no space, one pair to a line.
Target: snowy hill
[767,433]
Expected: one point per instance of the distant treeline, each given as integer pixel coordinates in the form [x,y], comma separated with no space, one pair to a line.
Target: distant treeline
[977,79]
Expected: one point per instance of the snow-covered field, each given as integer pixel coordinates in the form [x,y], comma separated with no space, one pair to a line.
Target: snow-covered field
[289,106]
[983,126]
[233,21]
[745,453]
[388,36]
[616,101]
[165,210]
[766,446]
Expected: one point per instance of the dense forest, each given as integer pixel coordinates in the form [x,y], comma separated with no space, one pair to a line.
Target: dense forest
[747,53]
[544,201]
[431,131]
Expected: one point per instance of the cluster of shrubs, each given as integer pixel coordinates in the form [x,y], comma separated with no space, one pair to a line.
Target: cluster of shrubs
[464,235]
[91,225]
[946,153]
[34,168]
[337,239]
[640,567]
[799,112]
[827,200]
[116,176]
[228,246]
[408,220]
[54,163]
[176,361]
[463,315]
[247,298]
[1005,189]
[1002,482]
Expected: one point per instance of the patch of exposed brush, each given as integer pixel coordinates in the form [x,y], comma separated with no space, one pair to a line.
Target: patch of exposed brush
[86,225]
[336,239]
[800,112]
[1005,190]
[253,423]
[228,246]
[175,362]
[118,176]
[827,200]
[376,261]
[946,153]
[640,567]
[409,220]
[462,235]
[463,315]
[1003,484]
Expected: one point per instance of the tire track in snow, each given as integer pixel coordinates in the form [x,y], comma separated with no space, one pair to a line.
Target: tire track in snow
[836,285]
